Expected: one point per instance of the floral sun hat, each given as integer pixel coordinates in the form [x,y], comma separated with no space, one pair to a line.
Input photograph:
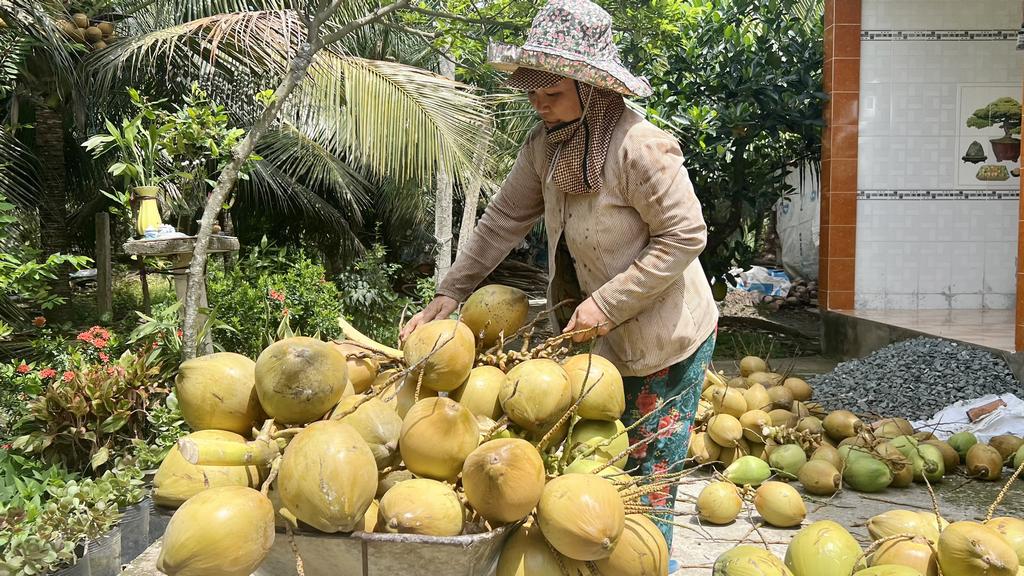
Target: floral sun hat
[571,38]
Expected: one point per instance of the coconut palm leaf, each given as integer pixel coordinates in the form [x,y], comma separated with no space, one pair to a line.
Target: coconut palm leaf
[403,123]
[54,67]
[19,181]
[13,50]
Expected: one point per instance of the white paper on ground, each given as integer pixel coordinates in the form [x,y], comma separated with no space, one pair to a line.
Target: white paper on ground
[1007,419]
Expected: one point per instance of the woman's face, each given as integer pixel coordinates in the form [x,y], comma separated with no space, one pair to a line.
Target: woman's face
[558,103]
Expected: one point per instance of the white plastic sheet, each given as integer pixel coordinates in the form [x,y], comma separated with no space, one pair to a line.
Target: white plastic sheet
[797,221]
[1007,419]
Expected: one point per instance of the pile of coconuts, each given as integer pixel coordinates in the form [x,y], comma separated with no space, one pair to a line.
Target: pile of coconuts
[453,434]
[91,33]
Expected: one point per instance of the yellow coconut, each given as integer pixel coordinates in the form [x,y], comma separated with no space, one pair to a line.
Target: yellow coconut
[582,516]
[719,503]
[753,423]
[177,480]
[480,392]
[1006,444]
[709,392]
[362,371]
[421,506]
[840,424]
[739,449]
[950,458]
[437,436]
[81,20]
[495,310]
[226,531]
[984,462]
[390,479]
[729,401]
[1012,531]
[600,440]
[739,382]
[781,397]
[747,560]
[820,477]
[401,395]
[725,430]
[829,454]
[823,549]
[327,478]
[893,428]
[641,550]
[503,479]
[605,398]
[893,522]
[972,549]
[916,553]
[702,449]
[763,378]
[785,418]
[218,392]
[300,379]
[536,394]
[107,28]
[888,570]
[757,398]
[449,365]
[376,423]
[810,424]
[526,553]
[780,504]
[751,364]
[800,389]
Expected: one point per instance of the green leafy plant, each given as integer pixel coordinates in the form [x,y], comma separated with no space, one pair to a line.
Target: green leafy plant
[166,426]
[1003,111]
[86,418]
[138,143]
[369,300]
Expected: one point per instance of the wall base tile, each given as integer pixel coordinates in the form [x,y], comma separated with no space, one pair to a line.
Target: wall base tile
[967,301]
[869,301]
[934,302]
[998,301]
[901,301]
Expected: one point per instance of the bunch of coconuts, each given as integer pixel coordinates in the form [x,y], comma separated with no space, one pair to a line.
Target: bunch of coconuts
[91,33]
[433,439]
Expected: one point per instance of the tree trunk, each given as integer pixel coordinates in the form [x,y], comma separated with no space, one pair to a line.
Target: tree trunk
[443,205]
[297,68]
[53,206]
[473,195]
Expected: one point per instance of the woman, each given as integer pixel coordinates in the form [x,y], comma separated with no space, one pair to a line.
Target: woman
[623,224]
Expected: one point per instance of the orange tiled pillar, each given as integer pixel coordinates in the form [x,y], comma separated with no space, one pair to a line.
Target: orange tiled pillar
[1019,340]
[841,81]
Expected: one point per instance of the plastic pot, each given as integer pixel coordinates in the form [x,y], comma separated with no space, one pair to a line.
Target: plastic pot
[79,568]
[104,554]
[158,519]
[134,527]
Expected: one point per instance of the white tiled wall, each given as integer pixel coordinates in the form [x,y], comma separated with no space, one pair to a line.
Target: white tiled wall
[931,254]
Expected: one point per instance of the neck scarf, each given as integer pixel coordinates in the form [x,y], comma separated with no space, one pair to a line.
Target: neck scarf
[577,150]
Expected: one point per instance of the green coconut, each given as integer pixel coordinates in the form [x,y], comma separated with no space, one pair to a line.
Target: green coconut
[218,392]
[327,477]
[962,442]
[932,466]
[867,474]
[747,470]
[300,379]
[823,549]
[605,396]
[600,440]
[787,460]
[536,394]
[443,352]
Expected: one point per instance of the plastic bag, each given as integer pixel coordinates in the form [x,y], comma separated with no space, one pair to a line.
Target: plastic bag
[767,281]
[1007,419]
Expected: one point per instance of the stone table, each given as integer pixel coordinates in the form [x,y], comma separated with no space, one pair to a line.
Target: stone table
[180,250]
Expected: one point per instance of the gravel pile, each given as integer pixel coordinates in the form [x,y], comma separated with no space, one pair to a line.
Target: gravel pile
[914,379]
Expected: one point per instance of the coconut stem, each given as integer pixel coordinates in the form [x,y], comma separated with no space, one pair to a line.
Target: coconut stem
[1002,493]
[299,569]
[365,341]
[275,467]
[206,452]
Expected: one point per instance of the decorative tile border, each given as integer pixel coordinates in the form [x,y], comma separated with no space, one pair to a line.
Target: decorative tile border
[944,35]
[938,194]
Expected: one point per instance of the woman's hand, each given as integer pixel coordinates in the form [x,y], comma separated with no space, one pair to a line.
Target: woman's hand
[439,307]
[588,315]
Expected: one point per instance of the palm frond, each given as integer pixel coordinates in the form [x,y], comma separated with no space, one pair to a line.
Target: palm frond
[13,50]
[258,43]
[401,122]
[56,63]
[19,180]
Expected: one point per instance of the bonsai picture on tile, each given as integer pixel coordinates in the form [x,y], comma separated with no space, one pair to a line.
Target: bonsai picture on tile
[988,150]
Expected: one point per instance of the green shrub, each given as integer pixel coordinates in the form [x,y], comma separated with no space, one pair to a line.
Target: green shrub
[369,301]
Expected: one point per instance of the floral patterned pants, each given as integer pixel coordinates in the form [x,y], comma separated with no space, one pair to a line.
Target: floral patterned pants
[679,387]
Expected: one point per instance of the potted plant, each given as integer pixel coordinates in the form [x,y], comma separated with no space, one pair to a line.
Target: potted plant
[139,143]
[129,494]
[1005,112]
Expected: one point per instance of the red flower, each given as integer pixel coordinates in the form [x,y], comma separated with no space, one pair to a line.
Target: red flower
[668,426]
[658,375]
[39,321]
[284,312]
[23,368]
[659,499]
[68,376]
[104,357]
[47,373]
[639,451]
[178,332]
[110,370]
[275,295]
[646,402]
[6,446]
[85,337]
[99,343]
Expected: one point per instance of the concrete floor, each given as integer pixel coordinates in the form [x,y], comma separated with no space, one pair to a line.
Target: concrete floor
[959,499]
[989,328]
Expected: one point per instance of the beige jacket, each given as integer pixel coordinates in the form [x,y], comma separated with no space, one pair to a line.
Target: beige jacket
[635,245]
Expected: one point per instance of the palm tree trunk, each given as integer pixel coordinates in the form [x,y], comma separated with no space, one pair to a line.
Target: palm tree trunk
[53,207]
